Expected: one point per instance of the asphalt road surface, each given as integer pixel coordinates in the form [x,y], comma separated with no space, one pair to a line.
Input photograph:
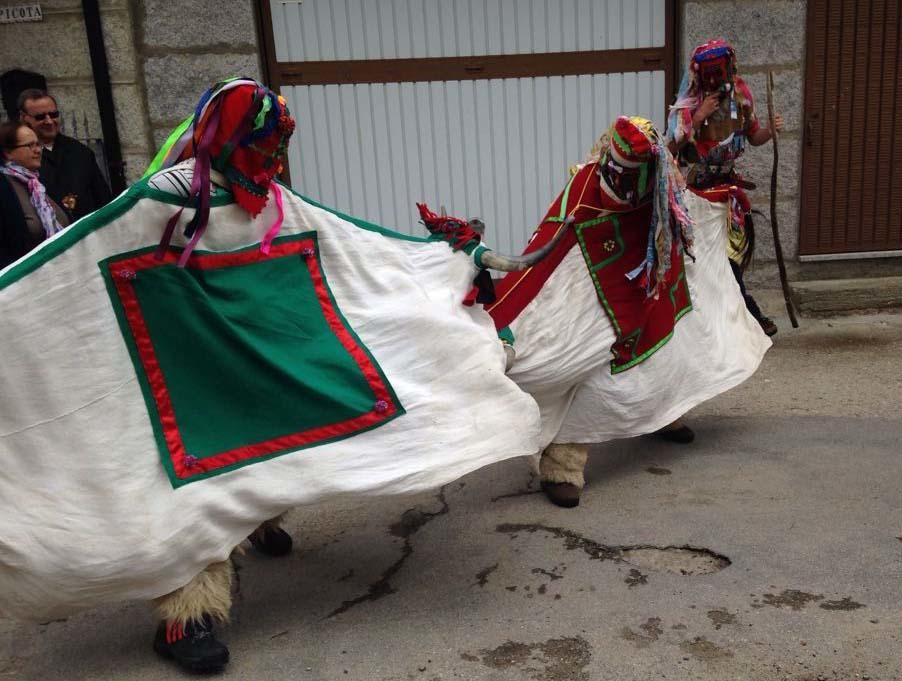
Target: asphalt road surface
[769,549]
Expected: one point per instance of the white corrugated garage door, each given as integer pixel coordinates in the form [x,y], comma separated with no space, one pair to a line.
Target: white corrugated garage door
[399,101]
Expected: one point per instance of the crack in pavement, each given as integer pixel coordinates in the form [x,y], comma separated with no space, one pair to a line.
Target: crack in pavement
[598,551]
[551,575]
[482,577]
[412,520]
[521,493]
[572,540]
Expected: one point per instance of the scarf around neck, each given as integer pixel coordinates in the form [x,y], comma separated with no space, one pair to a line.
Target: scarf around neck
[37,194]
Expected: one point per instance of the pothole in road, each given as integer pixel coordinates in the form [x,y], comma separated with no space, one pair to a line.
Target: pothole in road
[677,560]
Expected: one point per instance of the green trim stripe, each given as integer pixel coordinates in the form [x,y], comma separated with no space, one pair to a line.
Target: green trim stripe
[125,201]
[643,178]
[506,335]
[564,198]
[363,224]
[679,315]
[477,255]
[620,141]
[593,269]
[174,136]
[616,369]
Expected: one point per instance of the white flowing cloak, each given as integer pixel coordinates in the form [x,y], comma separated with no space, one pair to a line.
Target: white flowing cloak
[87,513]
[563,338]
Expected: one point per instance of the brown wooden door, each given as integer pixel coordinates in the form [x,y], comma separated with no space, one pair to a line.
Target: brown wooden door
[852,138]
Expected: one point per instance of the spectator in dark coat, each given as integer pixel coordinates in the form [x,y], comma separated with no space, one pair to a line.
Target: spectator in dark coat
[68,168]
[27,214]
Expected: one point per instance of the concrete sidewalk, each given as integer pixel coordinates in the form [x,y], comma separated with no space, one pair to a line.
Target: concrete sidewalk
[822,289]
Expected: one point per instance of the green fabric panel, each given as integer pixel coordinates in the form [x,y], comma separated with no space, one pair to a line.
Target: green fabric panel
[260,119]
[247,353]
[506,335]
[643,178]
[177,132]
[476,252]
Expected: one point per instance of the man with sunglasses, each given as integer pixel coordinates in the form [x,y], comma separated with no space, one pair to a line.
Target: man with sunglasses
[68,168]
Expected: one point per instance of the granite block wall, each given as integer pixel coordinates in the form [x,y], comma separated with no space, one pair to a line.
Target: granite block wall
[162,54]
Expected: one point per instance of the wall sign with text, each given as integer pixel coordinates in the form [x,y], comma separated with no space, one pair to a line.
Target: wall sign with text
[14,14]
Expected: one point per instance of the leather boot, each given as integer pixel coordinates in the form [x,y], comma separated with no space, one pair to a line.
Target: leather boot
[271,540]
[192,645]
[679,434]
[564,494]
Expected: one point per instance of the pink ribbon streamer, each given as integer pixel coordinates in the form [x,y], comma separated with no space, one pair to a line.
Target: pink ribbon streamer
[273,231]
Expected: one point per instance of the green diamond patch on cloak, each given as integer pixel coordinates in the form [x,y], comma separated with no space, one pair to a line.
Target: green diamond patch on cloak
[243,356]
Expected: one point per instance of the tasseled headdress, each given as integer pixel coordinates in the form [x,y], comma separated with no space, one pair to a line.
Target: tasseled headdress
[635,143]
[711,68]
[241,129]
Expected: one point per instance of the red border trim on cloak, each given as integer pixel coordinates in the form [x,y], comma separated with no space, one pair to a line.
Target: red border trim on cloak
[517,289]
[124,271]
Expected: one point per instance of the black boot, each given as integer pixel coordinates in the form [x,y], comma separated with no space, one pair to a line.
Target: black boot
[271,540]
[767,325]
[681,434]
[563,494]
[192,645]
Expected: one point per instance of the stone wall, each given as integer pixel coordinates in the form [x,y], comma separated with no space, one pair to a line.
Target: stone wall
[186,46]
[768,35]
[162,54]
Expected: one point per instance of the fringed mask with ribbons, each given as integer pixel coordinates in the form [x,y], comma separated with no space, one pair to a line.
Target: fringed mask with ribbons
[714,64]
[711,70]
[241,129]
[636,167]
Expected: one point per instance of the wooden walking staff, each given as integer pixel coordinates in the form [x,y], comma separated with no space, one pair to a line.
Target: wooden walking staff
[778,249]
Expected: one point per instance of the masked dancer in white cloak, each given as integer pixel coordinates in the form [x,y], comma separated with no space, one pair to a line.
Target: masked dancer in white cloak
[211,350]
[632,319]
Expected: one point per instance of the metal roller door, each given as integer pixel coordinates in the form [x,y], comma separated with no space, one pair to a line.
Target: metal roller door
[477,105]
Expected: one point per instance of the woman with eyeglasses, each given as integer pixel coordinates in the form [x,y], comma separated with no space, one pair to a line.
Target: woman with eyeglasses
[27,214]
